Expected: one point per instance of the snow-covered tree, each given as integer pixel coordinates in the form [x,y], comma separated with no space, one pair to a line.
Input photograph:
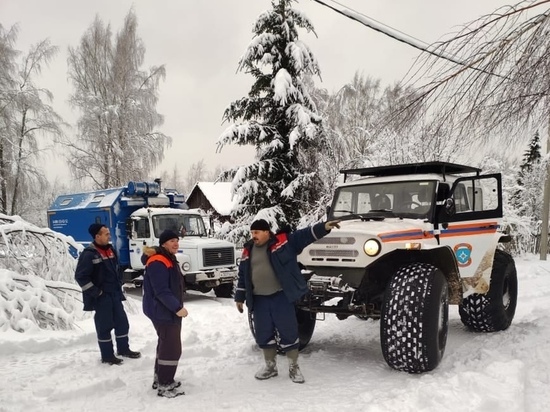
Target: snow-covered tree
[37,287]
[279,118]
[493,75]
[118,138]
[528,193]
[24,116]
[197,172]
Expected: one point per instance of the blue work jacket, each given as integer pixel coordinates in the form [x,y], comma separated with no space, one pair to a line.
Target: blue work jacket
[163,286]
[283,250]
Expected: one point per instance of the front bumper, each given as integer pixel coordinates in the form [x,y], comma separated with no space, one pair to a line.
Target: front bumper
[212,278]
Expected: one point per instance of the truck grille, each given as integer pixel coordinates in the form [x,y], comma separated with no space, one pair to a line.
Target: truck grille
[333,253]
[218,256]
[336,241]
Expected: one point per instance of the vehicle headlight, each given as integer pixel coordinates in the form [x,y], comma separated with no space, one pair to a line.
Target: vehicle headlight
[238,261]
[372,247]
[186,266]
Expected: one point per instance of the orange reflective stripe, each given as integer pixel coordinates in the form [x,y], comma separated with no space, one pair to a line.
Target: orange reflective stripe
[160,258]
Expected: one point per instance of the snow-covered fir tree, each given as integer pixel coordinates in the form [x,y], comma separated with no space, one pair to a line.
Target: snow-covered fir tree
[528,191]
[279,118]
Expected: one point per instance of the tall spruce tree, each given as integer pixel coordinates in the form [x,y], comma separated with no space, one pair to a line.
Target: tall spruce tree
[526,199]
[278,117]
[532,155]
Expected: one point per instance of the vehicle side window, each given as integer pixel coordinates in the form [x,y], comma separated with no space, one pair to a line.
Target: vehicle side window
[461,199]
[141,227]
[478,198]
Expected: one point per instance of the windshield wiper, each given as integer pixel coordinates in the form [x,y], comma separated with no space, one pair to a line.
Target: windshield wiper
[352,214]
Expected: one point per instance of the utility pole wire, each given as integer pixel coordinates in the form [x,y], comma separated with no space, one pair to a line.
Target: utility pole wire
[397,35]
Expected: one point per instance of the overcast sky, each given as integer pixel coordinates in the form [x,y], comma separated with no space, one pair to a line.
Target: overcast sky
[200,43]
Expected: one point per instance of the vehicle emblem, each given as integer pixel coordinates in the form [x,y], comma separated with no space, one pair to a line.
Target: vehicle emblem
[463,253]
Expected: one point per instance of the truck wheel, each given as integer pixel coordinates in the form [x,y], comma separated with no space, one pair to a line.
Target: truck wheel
[306,326]
[199,287]
[494,310]
[225,290]
[414,318]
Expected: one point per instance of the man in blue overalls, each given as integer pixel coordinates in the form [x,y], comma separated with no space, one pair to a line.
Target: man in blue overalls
[270,281]
[98,275]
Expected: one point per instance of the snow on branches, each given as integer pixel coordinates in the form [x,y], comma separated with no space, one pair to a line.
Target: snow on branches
[37,289]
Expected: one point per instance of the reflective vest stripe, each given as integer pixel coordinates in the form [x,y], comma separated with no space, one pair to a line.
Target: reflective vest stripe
[159,258]
[168,362]
[87,286]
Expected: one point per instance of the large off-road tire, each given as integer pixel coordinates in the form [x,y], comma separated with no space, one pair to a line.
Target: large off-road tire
[414,318]
[494,310]
[225,290]
[306,326]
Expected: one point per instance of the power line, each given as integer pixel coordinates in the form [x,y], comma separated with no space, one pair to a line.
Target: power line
[395,34]
[382,24]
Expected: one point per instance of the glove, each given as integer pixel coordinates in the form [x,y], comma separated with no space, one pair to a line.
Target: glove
[331,224]
[240,306]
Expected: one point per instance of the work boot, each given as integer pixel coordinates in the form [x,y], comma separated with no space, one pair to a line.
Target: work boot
[130,354]
[112,360]
[269,370]
[170,391]
[293,368]
[155,384]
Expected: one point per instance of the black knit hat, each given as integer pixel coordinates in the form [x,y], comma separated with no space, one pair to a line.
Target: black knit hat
[166,236]
[95,228]
[260,224]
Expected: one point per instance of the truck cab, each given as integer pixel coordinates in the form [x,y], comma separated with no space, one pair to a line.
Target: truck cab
[206,263]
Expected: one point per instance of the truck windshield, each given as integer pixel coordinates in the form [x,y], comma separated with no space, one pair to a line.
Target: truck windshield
[184,224]
[411,199]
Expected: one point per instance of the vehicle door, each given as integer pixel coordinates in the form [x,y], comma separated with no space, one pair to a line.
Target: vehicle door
[472,231]
[140,236]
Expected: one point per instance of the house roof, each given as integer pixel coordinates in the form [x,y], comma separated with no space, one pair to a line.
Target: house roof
[218,194]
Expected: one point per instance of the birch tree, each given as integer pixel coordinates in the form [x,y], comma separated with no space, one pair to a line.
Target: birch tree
[494,75]
[25,115]
[117,139]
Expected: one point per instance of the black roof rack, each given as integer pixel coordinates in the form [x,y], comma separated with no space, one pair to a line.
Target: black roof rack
[411,169]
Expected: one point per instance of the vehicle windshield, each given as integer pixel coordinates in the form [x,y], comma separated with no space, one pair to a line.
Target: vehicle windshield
[184,224]
[410,199]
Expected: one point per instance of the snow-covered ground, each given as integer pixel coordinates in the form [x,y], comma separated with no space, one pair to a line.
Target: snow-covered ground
[343,365]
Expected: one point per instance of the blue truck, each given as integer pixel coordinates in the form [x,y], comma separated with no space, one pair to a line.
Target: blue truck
[136,215]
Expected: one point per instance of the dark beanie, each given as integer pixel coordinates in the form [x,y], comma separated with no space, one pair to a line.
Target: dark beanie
[166,236]
[260,224]
[95,228]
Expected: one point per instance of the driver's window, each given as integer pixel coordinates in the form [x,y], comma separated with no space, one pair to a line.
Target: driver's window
[141,228]
[461,199]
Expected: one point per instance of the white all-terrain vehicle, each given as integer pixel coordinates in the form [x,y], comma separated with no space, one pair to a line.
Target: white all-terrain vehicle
[414,239]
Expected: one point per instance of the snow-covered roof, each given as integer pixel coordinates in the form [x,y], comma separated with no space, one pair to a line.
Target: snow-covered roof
[219,195]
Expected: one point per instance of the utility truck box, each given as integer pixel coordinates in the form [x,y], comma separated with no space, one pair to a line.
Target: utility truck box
[136,215]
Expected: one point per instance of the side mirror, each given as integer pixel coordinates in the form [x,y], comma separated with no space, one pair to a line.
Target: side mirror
[328,210]
[129,228]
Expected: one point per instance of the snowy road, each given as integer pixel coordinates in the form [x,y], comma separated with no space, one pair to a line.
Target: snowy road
[343,365]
